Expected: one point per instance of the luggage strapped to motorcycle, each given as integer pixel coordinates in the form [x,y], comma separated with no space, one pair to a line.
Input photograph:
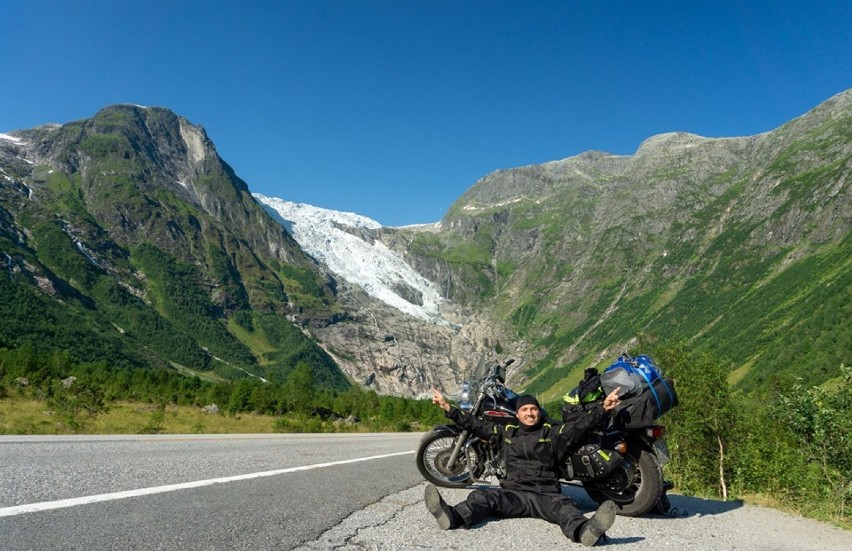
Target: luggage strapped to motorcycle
[654,392]
[646,394]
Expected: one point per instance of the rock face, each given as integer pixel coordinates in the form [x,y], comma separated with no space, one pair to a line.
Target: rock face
[153,151]
[398,335]
[393,353]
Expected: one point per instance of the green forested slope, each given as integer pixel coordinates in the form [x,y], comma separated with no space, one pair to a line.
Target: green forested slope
[740,246]
[126,240]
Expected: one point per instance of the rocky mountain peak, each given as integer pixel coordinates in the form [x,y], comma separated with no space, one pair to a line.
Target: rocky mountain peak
[669,142]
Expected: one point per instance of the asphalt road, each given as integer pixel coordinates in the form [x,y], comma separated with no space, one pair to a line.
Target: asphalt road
[310,493]
[251,492]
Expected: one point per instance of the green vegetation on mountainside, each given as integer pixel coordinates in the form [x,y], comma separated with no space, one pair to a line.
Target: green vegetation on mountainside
[112,259]
[101,319]
[469,261]
[739,245]
[785,323]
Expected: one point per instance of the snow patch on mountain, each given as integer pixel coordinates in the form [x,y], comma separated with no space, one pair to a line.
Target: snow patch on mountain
[381,272]
[13,139]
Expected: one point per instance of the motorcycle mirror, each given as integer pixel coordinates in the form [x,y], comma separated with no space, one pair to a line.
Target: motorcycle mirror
[498,374]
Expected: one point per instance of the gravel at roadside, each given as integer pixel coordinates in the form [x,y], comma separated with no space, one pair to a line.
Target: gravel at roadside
[401,522]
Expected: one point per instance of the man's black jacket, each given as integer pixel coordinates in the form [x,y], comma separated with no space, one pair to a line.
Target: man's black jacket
[532,454]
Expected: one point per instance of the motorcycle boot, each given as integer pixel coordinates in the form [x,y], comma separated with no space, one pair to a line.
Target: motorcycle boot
[592,530]
[445,515]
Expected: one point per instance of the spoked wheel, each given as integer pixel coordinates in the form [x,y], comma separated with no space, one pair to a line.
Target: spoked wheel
[433,455]
[640,488]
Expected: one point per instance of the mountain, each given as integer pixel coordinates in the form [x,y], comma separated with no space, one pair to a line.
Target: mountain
[740,245]
[400,335]
[125,239]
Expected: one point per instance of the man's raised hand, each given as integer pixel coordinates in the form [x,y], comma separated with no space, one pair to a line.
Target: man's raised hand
[612,400]
[439,400]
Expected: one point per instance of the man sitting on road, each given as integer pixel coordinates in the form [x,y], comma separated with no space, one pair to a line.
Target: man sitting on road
[532,450]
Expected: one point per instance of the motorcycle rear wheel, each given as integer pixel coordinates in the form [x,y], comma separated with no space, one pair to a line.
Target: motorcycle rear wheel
[642,494]
[434,451]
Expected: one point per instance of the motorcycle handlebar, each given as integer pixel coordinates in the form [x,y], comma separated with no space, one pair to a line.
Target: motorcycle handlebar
[497,371]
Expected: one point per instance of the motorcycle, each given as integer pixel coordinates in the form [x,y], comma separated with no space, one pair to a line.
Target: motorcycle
[613,463]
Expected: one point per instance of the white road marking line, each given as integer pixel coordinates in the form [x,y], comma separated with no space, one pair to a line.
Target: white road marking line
[62,503]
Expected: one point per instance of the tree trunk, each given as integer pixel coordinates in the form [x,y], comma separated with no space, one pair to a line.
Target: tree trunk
[722,483]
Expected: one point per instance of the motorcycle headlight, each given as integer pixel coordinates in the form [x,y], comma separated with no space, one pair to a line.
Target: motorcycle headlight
[465,404]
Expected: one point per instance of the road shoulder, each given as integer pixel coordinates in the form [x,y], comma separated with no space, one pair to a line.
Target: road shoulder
[400,521]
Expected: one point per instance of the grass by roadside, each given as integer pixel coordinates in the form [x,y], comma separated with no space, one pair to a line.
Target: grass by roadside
[25,416]
[817,510]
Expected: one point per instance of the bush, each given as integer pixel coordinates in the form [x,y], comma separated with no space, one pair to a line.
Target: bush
[820,423]
[703,424]
[797,450]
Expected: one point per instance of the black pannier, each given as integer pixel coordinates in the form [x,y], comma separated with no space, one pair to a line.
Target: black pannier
[591,460]
[641,410]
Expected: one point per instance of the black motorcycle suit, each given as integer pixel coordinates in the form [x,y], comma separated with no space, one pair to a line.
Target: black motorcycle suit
[531,486]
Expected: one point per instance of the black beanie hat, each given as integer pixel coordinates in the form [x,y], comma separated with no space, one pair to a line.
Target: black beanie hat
[526,400]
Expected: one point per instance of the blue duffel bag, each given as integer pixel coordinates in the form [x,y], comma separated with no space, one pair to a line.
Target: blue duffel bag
[645,393]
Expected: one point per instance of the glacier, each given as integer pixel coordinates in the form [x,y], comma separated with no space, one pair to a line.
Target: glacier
[369,265]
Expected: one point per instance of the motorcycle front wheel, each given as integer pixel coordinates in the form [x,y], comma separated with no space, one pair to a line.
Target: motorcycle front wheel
[434,451]
[641,495]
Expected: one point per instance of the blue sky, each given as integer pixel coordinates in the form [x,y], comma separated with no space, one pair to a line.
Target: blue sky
[392,109]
